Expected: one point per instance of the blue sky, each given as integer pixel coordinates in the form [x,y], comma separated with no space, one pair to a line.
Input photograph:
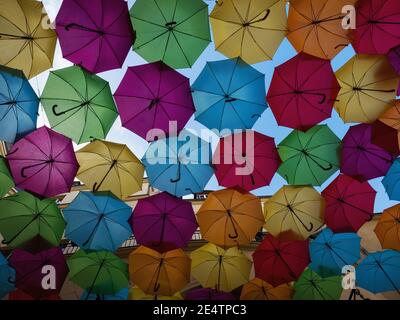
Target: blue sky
[266,124]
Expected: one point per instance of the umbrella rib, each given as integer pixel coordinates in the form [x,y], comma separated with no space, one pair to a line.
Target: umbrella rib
[61,78]
[180,47]
[191,35]
[87,14]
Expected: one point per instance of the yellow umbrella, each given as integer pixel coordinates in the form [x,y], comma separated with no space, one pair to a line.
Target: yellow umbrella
[26,40]
[251,29]
[258,289]
[369,86]
[107,166]
[220,269]
[294,213]
[135,293]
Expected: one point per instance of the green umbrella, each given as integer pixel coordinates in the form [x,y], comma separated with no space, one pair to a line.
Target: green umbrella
[311,286]
[309,157]
[98,272]
[174,31]
[6,180]
[30,223]
[79,104]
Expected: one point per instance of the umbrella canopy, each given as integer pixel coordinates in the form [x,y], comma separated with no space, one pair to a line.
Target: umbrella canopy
[394,58]
[6,180]
[108,166]
[163,222]
[179,165]
[26,42]
[98,272]
[230,217]
[250,29]
[258,289]
[311,286]
[159,273]
[229,94]
[44,163]
[135,293]
[97,221]
[175,32]
[151,96]
[96,34]
[29,223]
[209,294]
[361,159]
[78,104]
[330,252]
[302,92]
[391,181]
[18,105]
[316,27]
[22,296]
[380,272]
[220,269]
[309,157]
[388,228]
[294,213]
[378,26]
[247,160]
[120,295]
[368,87]
[349,204]
[30,269]
[278,262]
[7,277]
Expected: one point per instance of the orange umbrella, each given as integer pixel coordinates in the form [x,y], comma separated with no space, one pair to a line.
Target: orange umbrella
[230,217]
[258,289]
[388,228]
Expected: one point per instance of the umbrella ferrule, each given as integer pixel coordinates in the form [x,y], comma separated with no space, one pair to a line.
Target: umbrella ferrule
[171,25]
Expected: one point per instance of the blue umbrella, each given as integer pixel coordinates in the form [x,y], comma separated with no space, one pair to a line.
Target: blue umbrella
[7,277]
[98,221]
[19,105]
[120,295]
[391,181]
[229,94]
[330,252]
[179,165]
[380,272]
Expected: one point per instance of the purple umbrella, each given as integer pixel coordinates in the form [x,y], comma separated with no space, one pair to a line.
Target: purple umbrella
[96,34]
[361,159]
[34,270]
[152,95]
[163,222]
[44,163]
[208,294]
[394,58]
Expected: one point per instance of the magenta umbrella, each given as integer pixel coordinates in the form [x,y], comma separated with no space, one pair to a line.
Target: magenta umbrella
[95,34]
[43,163]
[163,222]
[394,58]
[208,294]
[152,95]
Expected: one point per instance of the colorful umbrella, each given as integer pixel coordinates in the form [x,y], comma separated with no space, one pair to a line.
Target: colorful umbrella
[159,273]
[6,180]
[175,32]
[388,228]
[152,96]
[368,87]
[229,94]
[220,269]
[294,213]
[391,181]
[18,105]
[302,92]
[209,294]
[349,204]
[361,159]
[19,295]
[7,277]
[32,269]
[44,163]
[394,58]
[258,289]
[78,104]
[163,222]
[97,221]
[96,34]
[250,29]
[309,157]
[27,42]
[108,166]
[278,262]
[135,293]
[179,165]
[247,160]
[29,223]
[120,295]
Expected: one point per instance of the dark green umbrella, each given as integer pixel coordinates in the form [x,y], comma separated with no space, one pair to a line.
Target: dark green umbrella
[174,31]
[309,157]
[79,104]
[6,180]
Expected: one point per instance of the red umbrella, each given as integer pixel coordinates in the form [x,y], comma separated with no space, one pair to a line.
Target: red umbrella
[20,295]
[248,149]
[349,204]
[302,92]
[278,262]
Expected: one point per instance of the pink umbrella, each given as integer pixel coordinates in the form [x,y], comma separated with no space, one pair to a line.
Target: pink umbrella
[208,294]
[394,58]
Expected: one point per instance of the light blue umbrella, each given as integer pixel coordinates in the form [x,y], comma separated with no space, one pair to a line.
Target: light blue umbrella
[179,165]
[229,94]
[330,252]
[18,105]
[7,277]
[120,295]
[391,181]
[98,221]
